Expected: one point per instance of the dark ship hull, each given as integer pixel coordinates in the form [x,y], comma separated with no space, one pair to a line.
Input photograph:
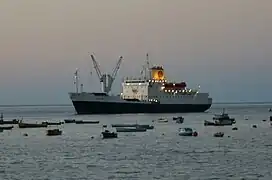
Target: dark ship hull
[100,107]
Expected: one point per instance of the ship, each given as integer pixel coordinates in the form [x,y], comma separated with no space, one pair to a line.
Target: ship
[150,93]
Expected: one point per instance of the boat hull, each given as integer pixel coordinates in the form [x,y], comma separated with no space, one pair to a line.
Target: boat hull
[6,127]
[98,107]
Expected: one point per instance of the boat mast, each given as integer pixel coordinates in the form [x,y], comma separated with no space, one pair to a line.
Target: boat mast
[147,76]
[76,80]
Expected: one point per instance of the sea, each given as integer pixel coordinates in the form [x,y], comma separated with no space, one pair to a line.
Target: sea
[80,153]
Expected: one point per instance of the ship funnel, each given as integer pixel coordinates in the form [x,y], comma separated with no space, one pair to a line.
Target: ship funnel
[157,73]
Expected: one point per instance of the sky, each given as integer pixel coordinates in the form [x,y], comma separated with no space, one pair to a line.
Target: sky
[223,46]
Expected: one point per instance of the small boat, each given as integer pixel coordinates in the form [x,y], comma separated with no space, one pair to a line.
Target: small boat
[254,126]
[30,125]
[270,118]
[218,134]
[177,117]
[14,121]
[218,123]
[6,127]
[146,126]
[87,122]
[162,120]
[180,120]
[53,132]
[234,128]
[52,123]
[220,120]
[130,129]
[187,132]
[69,120]
[223,116]
[107,134]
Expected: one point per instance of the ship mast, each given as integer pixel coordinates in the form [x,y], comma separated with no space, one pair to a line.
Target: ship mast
[148,74]
[76,80]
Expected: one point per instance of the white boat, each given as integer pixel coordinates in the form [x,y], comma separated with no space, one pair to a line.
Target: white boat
[162,120]
[187,132]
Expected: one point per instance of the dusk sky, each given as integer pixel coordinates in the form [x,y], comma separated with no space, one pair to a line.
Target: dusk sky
[223,46]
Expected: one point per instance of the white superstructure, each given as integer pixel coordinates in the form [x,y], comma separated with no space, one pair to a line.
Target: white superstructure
[158,89]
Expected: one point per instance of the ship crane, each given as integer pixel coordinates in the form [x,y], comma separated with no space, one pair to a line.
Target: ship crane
[106,79]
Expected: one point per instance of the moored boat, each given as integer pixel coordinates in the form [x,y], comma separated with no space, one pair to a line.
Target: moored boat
[147,126]
[163,120]
[187,132]
[177,117]
[14,121]
[53,132]
[180,120]
[69,120]
[218,123]
[130,129]
[107,134]
[52,123]
[2,121]
[31,125]
[218,134]
[6,127]
[87,122]
[220,120]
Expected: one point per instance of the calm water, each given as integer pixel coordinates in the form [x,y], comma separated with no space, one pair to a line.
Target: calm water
[156,154]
